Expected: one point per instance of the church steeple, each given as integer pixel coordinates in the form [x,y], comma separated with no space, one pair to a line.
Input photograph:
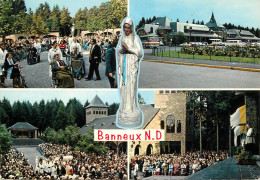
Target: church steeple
[214,25]
[96,109]
[212,19]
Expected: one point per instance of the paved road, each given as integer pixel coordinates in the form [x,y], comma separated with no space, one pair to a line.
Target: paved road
[30,153]
[163,75]
[37,75]
[160,75]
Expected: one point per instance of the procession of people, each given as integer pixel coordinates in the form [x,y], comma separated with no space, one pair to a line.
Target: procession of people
[69,48]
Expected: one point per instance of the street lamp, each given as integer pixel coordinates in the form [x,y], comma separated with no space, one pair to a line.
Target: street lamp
[200,96]
[190,32]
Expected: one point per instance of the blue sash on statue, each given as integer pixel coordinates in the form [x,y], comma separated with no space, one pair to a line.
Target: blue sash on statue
[124,70]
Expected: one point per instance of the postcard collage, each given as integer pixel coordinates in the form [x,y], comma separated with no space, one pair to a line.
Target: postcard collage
[128,89]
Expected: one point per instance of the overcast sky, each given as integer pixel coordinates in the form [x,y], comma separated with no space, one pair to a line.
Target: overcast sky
[238,12]
[83,95]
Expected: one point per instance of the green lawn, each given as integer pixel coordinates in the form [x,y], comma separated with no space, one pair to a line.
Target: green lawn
[174,54]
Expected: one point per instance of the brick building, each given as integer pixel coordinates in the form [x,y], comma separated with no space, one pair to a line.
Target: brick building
[172,116]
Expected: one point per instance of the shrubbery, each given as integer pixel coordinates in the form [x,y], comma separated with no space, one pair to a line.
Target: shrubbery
[71,136]
[250,51]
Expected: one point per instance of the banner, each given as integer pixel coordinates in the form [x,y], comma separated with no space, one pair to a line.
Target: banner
[125,135]
[239,117]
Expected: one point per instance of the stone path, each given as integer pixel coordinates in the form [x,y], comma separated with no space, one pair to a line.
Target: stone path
[30,153]
[227,169]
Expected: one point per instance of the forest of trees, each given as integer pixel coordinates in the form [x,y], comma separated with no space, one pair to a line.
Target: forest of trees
[15,18]
[54,114]
[213,109]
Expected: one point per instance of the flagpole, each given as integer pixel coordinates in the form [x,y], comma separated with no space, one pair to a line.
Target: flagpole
[200,126]
[229,141]
[216,119]
[229,133]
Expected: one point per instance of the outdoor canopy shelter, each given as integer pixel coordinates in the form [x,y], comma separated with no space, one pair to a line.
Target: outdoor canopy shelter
[23,130]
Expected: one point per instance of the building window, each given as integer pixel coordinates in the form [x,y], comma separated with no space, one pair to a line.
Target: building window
[105,112]
[179,126]
[151,30]
[162,124]
[93,112]
[170,122]
[96,112]
[172,91]
[167,92]
[102,112]
[161,92]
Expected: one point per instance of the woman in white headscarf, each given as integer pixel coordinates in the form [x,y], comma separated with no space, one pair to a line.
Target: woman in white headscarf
[129,54]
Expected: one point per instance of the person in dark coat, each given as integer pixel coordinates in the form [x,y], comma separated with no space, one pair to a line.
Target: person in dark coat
[32,53]
[12,70]
[62,72]
[94,60]
[111,64]
[32,50]
[63,170]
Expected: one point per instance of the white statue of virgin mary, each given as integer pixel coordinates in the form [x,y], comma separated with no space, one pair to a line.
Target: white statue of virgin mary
[129,55]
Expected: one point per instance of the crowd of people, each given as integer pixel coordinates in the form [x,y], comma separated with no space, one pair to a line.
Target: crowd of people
[15,166]
[175,165]
[60,162]
[68,48]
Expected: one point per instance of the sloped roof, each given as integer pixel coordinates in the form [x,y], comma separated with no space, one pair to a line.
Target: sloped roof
[232,31]
[96,102]
[197,27]
[213,23]
[162,21]
[245,32]
[165,27]
[147,29]
[202,35]
[109,122]
[22,126]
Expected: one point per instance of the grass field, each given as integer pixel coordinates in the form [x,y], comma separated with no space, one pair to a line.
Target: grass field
[175,54]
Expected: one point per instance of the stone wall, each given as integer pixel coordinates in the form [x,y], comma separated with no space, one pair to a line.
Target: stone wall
[155,124]
[173,104]
[143,147]
[90,113]
[253,114]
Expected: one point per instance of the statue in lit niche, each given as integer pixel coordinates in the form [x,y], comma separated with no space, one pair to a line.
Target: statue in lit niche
[129,55]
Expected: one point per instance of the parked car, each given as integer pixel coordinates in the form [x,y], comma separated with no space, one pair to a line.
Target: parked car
[256,43]
[237,43]
[185,44]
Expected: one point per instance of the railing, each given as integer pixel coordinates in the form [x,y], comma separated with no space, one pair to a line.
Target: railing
[173,53]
